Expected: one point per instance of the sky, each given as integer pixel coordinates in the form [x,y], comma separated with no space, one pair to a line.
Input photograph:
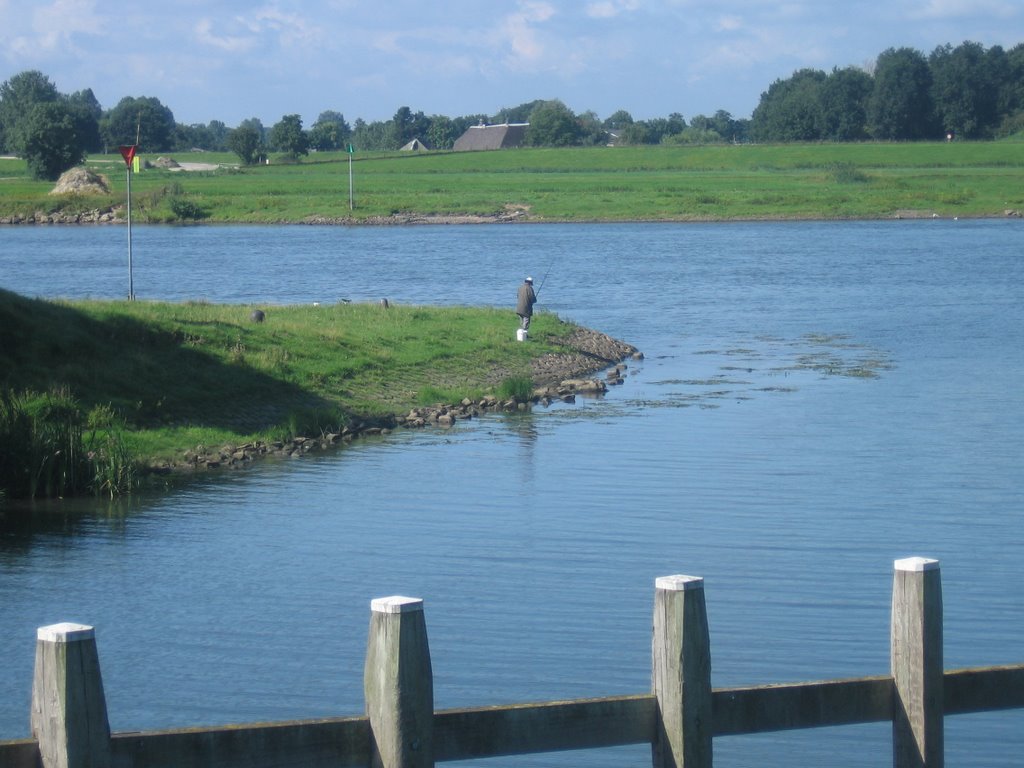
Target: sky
[230,60]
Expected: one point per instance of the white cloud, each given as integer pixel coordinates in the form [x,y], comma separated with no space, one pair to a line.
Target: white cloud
[952,9]
[232,43]
[50,27]
[728,23]
[518,34]
[290,29]
[607,9]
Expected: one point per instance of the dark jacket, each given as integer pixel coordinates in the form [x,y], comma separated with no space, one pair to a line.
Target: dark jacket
[527,298]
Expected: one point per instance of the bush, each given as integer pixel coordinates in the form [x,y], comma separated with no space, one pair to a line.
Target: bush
[518,388]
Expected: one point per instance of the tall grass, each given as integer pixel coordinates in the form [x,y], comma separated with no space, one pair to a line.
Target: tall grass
[44,451]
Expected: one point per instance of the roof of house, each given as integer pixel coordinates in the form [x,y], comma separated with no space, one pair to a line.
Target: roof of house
[500,136]
[415,145]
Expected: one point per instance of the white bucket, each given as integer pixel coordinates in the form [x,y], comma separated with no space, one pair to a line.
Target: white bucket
[522,334]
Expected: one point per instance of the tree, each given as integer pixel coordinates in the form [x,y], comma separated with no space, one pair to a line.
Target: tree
[618,120]
[49,139]
[407,125]
[288,137]
[964,89]
[142,120]
[791,110]
[443,132]
[900,106]
[552,124]
[520,114]
[329,132]
[591,132]
[88,113]
[844,103]
[246,142]
[17,97]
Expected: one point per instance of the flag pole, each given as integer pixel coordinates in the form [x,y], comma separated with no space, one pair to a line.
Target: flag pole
[351,199]
[131,287]
[128,153]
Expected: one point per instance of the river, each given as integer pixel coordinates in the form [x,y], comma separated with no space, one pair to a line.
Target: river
[817,399]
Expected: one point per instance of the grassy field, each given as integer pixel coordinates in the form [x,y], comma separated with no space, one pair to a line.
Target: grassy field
[175,376]
[818,181]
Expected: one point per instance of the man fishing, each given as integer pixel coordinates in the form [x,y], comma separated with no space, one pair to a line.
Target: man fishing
[524,306]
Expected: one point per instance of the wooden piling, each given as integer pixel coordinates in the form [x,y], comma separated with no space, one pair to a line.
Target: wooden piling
[398,685]
[916,655]
[681,674]
[69,711]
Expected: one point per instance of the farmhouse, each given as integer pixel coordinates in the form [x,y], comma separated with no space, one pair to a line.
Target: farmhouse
[501,136]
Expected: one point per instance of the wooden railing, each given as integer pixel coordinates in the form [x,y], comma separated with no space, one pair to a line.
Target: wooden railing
[679,718]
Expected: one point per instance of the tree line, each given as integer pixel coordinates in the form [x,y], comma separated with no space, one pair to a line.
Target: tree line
[967,91]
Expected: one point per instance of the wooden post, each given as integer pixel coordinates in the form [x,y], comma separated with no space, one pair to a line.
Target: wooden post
[399,686]
[681,674]
[69,711]
[916,654]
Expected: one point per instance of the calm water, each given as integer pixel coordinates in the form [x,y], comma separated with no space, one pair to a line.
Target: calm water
[817,400]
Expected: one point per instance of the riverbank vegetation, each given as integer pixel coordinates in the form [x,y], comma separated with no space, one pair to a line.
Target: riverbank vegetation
[640,183]
[94,392]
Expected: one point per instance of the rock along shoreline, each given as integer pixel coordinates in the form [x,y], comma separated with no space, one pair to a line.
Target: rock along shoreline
[558,376]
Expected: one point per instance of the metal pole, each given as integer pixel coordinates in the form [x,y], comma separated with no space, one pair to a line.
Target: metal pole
[131,287]
[351,200]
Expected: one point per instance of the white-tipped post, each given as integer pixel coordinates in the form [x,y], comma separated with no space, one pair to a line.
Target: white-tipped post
[681,674]
[398,684]
[69,711]
[916,654]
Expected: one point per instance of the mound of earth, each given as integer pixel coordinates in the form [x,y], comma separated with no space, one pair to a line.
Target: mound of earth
[81,181]
[165,162]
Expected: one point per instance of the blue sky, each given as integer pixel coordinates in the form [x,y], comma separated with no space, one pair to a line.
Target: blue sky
[233,59]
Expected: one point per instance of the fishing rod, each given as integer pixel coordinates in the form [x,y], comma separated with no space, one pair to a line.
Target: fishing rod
[544,279]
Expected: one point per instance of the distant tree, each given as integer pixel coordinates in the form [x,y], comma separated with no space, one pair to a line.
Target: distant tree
[592,132]
[218,132]
[1011,96]
[257,125]
[329,132]
[791,110]
[88,113]
[844,104]
[637,133]
[246,142]
[900,106]
[376,136]
[288,137]
[520,114]
[17,97]
[407,125]
[442,133]
[50,140]
[143,120]
[965,89]
[552,124]
[618,120]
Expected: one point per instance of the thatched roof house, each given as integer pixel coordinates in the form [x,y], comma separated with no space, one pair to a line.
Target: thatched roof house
[501,136]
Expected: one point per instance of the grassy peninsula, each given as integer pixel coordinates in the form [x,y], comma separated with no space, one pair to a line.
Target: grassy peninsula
[637,183]
[148,381]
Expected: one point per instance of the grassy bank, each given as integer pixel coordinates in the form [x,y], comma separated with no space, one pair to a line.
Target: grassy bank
[163,378]
[819,181]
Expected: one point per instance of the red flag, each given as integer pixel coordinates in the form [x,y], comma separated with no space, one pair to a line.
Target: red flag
[128,153]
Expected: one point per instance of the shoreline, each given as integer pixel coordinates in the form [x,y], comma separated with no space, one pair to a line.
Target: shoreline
[558,376]
[110,216]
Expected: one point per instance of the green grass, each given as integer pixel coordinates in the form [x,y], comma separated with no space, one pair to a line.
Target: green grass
[174,376]
[820,181]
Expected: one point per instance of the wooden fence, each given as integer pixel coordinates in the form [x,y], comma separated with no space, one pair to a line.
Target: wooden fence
[679,718]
